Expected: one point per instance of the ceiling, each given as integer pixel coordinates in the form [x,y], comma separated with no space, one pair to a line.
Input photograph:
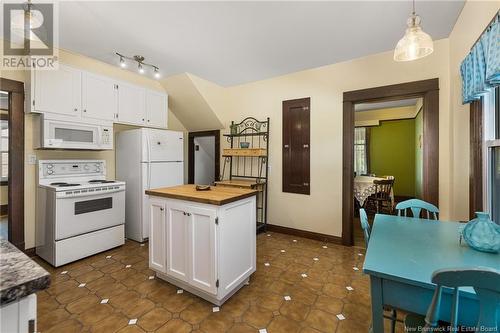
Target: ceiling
[385,105]
[236,42]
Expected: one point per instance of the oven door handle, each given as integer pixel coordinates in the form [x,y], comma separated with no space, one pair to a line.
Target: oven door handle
[62,195]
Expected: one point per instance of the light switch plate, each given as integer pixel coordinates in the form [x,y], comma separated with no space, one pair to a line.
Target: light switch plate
[31,159]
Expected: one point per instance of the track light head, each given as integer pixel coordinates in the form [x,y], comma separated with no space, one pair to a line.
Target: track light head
[123,64]
[140,68]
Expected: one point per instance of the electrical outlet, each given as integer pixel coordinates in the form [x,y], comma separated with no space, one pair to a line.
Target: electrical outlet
[32,159]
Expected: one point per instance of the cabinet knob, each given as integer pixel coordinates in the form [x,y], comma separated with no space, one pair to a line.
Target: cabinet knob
[142,119]
[184,213]
[84,110]
[161,209]
[75,109]
[188,214]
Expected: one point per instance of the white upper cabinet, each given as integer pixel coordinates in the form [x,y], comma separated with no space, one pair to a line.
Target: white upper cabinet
[131,104]
[156,109]
[77,93]
[56,91]
[99,97]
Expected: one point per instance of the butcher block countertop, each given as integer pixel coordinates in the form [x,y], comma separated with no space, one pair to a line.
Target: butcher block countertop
[217,195]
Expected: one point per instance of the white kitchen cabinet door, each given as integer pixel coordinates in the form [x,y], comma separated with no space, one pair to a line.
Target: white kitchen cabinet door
[99,97]
[158,235]
[57,91]
[177,242]
[131,104]
[203,249]
[156,109]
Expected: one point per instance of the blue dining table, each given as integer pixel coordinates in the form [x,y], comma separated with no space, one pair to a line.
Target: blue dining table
[402,254]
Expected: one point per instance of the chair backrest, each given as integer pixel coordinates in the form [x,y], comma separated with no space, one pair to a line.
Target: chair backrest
[416,205]
[365,225]
[486,284]
[383,188]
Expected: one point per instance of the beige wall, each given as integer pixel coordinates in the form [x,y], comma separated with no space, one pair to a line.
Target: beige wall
[322,210]
[473,19]
[109,156]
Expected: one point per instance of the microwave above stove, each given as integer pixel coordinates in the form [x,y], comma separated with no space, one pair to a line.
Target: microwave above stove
[54,133]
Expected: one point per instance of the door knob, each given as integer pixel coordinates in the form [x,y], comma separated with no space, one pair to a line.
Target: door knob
[286,146]
[306,145]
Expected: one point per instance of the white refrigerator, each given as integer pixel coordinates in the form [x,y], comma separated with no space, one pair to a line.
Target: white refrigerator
[146,158]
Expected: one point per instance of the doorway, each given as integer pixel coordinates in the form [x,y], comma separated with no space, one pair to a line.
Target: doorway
[12,161]
[428,92]
[203,157]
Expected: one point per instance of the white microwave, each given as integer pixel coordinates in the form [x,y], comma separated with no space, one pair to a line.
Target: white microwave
[62,134]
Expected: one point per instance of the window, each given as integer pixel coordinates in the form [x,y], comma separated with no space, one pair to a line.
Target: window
[361,150]
[4,149]
[491,154]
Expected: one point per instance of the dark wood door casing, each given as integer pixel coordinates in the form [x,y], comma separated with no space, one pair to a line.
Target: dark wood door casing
[16,161]
[476,158]
[191,166]
[428,90]
[296,146]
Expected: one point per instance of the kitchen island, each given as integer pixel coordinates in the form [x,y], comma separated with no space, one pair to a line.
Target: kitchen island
[203,241]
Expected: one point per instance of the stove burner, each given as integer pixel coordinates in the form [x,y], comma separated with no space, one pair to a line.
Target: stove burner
[101,181]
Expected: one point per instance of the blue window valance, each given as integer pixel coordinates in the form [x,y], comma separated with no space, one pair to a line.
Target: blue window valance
[481,68]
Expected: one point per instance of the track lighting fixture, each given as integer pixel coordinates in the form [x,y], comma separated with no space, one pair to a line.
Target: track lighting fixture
[140,64]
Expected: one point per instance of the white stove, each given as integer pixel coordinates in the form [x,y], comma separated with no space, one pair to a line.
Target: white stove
[79,212]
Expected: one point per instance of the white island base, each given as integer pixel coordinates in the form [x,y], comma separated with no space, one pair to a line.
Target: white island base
[207,249]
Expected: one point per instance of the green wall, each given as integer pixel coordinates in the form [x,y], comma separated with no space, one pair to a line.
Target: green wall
[392,152]
[419,154]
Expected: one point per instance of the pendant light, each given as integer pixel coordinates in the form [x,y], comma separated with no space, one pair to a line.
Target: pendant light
[26,20]
[415,44]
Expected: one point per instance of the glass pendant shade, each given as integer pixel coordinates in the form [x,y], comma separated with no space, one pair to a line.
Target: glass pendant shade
[35,20]
[415,44]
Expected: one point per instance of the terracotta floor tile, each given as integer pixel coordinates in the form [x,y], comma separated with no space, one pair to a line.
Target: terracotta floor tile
[295,310]
[95,314]
[177,302]
[283,325]
[175,326]
[216,323]
[89,276]
[315,299]
[131,329]
[70,325]
[70,295]
[322,321]
[82,304]
[154,319]
[47,320]
[110,324]
[242,328]
[257,317]
[196,312]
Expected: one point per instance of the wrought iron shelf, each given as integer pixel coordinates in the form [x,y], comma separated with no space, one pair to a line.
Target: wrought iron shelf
[237,164]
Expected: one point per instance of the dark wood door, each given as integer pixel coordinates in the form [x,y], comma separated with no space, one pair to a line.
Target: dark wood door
[296,146]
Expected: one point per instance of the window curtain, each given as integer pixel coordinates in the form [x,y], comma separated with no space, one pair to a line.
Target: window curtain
[480,70]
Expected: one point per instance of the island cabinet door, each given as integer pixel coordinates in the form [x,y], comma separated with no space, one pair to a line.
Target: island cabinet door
[158,235]
[177,241]
[203,248]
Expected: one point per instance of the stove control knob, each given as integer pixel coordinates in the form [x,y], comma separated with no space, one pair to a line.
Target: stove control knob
[50,166]
[50,172]
[86,167]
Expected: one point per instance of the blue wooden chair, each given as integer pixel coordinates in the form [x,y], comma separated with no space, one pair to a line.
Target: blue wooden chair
[416,205]
[365,225]
[366,233]
[486,283]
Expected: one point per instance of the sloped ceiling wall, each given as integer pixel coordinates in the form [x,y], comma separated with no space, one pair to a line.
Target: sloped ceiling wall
[189,105]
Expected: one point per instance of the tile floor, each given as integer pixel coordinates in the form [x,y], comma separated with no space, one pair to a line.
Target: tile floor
[302,289]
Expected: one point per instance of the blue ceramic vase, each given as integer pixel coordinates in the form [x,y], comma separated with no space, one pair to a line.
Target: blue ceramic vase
[482,234]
